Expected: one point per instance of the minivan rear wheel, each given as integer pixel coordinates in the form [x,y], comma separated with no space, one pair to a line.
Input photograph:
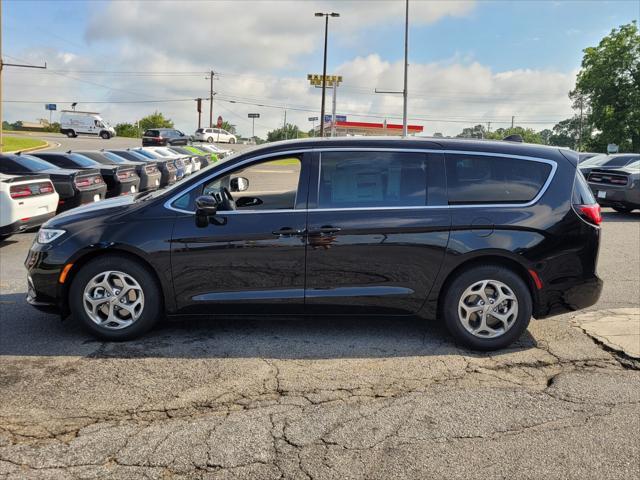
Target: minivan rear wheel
[115,298]
[487,307]
[71,134]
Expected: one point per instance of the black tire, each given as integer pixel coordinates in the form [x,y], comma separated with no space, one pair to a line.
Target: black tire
[71,134]
[232,140]
[209,139]
[623,209]
[105,135]
[466,279]
[151,312]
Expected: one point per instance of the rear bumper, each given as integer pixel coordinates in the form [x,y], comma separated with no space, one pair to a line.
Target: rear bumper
[82,197]
[25,224]
[624,197]
[124,188]
[150,182]
[568,297]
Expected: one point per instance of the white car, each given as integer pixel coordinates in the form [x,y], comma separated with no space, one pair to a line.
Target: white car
[25,202]
[220,152]
[163,152]
[211,135]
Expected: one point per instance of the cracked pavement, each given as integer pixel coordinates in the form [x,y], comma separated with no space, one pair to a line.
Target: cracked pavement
[316,398]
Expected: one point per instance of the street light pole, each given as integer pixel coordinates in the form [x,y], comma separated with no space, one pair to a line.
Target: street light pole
[405,126]
[324,64]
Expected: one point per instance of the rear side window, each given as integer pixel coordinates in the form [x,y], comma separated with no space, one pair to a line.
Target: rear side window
[475,179]
[372,179]
[581,192]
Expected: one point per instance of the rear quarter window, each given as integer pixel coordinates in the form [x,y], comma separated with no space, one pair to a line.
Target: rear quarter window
[478,179]
[152,133]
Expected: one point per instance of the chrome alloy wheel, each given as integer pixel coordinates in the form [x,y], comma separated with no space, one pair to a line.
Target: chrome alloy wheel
[113,300]
[488,309]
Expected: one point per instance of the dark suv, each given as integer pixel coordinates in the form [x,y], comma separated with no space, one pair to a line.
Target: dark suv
[482,235]
[160,137]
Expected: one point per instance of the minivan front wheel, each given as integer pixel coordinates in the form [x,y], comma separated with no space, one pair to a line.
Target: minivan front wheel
[487,307]
[114,297]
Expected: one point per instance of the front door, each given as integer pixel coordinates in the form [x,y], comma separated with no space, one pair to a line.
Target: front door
[378,226]
[250,259]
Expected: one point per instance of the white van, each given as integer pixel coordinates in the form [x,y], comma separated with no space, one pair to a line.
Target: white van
[74,123]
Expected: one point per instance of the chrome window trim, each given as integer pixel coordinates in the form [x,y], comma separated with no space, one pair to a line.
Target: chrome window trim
[545,186]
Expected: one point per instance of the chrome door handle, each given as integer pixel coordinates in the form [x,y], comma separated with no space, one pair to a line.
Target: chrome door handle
[288,232]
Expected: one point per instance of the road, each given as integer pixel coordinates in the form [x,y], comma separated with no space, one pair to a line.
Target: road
[321,399]
[61,143]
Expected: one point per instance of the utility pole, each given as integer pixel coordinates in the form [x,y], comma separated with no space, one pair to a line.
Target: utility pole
[284,126]
[405,126]
[211,94]
[513,117]
[488,127]
[333,110]
[199,108]
[2,65]
[404,91]
[324,64]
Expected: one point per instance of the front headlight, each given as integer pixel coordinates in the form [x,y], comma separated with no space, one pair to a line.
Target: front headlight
[48,235]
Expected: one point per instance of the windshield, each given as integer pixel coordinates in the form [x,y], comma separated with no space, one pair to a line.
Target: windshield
[33,164]
[594,161]
[634,165]
[82,160]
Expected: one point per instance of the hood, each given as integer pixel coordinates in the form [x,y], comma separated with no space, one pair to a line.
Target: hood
[92,211]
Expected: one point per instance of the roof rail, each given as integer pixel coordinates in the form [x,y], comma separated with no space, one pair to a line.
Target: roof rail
[516,137]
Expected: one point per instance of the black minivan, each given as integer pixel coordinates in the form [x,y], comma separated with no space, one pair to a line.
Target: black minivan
[482,235]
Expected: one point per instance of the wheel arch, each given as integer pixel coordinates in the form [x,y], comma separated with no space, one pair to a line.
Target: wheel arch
[503,259]
[87,256]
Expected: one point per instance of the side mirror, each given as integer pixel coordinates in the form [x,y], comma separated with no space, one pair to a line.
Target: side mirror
[206,206]
[239,184]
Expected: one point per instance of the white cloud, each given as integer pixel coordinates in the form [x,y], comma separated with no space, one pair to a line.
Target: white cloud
[251,42]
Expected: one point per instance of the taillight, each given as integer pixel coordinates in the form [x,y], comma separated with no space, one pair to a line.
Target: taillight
[619,181]
[591,213]
[46,188]
[20,191]
[150,169]
[84,182]
[23,191]
[123,175]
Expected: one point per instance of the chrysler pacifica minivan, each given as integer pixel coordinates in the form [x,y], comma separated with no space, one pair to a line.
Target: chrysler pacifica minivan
[480,235]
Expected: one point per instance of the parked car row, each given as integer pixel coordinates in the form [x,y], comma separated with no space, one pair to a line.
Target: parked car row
[614,180]
[163,137]
[85,176]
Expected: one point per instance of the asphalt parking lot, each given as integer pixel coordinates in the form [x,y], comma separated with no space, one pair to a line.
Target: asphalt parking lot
[321,399]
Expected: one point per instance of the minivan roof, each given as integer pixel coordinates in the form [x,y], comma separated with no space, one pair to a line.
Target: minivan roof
[463,144]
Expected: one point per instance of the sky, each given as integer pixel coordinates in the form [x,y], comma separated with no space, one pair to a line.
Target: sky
[470,62]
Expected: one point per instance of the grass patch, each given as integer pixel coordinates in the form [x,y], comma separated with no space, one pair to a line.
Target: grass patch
[285,161]
[12,144]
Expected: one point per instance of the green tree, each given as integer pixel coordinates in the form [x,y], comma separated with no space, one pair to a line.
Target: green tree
[228,127]
[127,130]
[567,133]
[609,85]
[155,120]
[473,132]
[283,133]
[528,134]
[545,135]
